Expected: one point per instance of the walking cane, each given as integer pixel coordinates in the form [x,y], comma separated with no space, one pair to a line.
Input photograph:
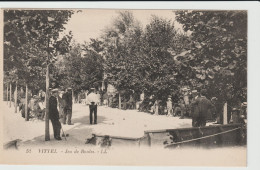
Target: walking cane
[63,133]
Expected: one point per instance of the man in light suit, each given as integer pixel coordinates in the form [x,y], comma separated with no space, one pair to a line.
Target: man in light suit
[93,101]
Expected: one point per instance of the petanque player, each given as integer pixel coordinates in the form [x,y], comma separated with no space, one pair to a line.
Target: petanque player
[194,108]
[93,101]
[54,114]
[202,107]
[67,96]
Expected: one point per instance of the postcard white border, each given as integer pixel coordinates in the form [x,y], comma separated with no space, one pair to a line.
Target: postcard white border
[253,63]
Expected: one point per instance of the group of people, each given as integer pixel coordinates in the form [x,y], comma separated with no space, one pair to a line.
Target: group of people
[63,101]
[36,106]
[195,106]
[181,108]
[200,109]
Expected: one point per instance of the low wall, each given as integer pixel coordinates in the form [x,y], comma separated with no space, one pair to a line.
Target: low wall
[209,136]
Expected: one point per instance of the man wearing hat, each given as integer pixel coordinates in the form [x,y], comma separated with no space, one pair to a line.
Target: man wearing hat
[67,97]
[93,100]
[201,107]
[54,114]
[186,96]
[194,108]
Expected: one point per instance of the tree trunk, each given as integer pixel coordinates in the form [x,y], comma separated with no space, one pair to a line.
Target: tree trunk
[119,101]
[103,86]
[73,99]
[47,130]
[225,118]
[156,108]
[7,93]
[15,98]
[10,94]
[26,103]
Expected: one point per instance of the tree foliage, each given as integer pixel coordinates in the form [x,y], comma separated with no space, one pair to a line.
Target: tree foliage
[156,59]
[31,39]
[81,68]
[122,46]
[218,53]
[158,69]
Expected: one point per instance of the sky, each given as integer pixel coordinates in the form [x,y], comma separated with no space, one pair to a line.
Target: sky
[90,23]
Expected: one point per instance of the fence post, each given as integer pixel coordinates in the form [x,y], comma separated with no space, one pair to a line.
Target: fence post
[119,102]
[225,121]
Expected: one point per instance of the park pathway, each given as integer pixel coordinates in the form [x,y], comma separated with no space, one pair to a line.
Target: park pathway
[111,121]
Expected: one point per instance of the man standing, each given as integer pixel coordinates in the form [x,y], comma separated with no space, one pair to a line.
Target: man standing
[194,108]
[93,101]
[54,114]
[203,106]
[67,97]
[182,108]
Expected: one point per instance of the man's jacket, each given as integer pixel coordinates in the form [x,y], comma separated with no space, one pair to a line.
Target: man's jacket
[201,107]
[53,110]
[68,100]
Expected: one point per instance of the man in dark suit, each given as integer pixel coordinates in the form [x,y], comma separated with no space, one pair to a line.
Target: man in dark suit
[67,96]
[194,108]
[201,108]
[54,114]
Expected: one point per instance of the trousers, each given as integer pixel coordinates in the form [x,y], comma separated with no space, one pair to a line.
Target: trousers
[67,113]
[56,127]
[199,121]
[93,109]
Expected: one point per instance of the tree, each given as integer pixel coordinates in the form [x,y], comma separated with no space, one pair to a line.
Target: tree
[122,48]
[92,64]
[217,57]
[68,68]
[82,67]
[139,60]
[158,68]
[23,61]
[34,32]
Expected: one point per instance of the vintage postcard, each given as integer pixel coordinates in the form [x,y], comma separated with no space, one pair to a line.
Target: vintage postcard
[129,87]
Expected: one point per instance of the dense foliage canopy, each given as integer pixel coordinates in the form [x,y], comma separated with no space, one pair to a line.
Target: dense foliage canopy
[210,52]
